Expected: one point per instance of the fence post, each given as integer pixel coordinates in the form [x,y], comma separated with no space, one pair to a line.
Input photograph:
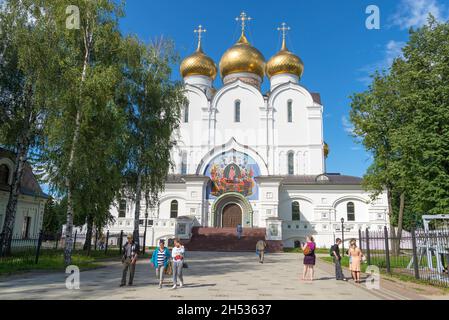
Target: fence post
[107,241]
[415,254]
[121,241]
[1,246]
[368,254]
[387,250]
[360,240]
[74,240]
[38,249]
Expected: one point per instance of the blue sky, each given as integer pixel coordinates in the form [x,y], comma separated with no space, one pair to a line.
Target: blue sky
[330,36]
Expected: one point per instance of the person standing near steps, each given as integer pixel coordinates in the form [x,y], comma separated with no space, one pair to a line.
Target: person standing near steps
[129,260]
[160,260]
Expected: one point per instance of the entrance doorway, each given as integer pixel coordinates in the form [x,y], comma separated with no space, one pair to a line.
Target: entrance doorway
[232,215]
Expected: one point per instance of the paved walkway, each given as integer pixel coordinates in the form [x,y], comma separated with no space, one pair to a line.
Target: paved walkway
[210,276]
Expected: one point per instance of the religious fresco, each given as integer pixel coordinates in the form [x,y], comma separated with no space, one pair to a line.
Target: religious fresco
[233,172]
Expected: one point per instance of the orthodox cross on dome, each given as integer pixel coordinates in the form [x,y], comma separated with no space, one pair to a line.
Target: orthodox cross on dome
[200,32]
[244,19]
[284,29]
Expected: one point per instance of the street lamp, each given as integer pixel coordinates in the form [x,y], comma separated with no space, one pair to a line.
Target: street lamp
[145,232]
[343,235]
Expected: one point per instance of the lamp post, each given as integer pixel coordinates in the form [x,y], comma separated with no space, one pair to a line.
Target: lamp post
[145,232]
[343,235]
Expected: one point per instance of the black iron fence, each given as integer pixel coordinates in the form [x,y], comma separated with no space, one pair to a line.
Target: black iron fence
[418,253]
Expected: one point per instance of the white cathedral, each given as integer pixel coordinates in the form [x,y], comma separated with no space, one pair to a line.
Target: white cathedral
[253,158]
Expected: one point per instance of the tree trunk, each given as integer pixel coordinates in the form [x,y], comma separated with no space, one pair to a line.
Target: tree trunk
[11,208]
[88,242]
[137,209]
[400,222]
[23,146]
[88,40]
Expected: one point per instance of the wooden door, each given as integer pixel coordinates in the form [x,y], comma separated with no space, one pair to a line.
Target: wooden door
[232,216]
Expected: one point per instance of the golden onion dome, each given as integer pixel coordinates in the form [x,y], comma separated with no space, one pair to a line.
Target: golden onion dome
[198,64]
[285,62]
[326,150]
[242,57]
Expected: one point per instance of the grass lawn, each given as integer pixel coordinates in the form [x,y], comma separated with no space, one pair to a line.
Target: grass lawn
[299,250]
[53,260]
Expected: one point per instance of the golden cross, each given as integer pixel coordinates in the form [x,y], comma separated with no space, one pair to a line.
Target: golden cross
[284,29]
[243,18]
[200,32]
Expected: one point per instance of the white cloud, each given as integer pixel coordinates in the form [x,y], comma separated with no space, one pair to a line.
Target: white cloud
[392,50]
[414,13]
[347,125]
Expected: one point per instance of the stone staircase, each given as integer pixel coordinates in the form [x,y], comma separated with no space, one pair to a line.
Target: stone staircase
[225,240]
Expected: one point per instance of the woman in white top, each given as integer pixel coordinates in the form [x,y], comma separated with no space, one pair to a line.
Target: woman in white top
[178,261]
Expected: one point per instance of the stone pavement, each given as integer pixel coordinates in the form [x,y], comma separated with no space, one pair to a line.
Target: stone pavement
[210,276]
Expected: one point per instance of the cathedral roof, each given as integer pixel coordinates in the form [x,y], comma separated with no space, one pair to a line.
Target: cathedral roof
[330,178]
[29,184]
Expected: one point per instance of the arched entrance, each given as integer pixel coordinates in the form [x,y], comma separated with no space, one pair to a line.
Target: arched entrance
[232,215]
[230,209]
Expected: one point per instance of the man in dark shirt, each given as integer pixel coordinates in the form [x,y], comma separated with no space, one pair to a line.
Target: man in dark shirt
[129,260]
[335,252]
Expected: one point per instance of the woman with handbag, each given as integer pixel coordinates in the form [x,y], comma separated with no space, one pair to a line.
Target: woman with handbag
[309,258]
[356,256]
[160,261]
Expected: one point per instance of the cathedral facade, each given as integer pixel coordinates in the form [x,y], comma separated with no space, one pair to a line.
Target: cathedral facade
[252,158]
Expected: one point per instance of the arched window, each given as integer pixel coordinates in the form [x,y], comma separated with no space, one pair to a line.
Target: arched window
[237,111]
[351,211]
[4,174]
[291,163]
[122,209]
[174,209]
[290,111]
[184,163]
[186,113]
[296,212]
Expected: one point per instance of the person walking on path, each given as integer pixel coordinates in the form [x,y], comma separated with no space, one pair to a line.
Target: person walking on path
[261,245]
[309,258]
[239,231]
[160,260]
[129,261]
[356,260]
[177,254]
[335,253]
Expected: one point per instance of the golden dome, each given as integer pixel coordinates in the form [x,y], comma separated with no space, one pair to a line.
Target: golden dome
[242,57]
[198,64]
[285,62]
[326,150]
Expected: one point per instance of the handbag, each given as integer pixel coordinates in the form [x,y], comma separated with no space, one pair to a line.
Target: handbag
[169,270]
[185,265]
[307,250]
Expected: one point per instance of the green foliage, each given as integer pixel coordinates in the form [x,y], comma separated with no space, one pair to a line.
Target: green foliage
[402,120]
[54,216]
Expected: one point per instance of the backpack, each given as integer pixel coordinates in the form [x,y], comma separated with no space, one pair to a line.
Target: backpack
[307,250]
[331,252]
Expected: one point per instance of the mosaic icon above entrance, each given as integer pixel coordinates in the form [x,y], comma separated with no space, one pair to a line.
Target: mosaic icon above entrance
[233,171]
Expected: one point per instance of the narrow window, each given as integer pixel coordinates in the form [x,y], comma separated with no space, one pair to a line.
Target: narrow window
[122,209]
[290,111]
[174,209]
[351,211]
[4,174]
[291,162]
[237,111]
[26,227]
[296,212]
[184,163]
[186,114]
